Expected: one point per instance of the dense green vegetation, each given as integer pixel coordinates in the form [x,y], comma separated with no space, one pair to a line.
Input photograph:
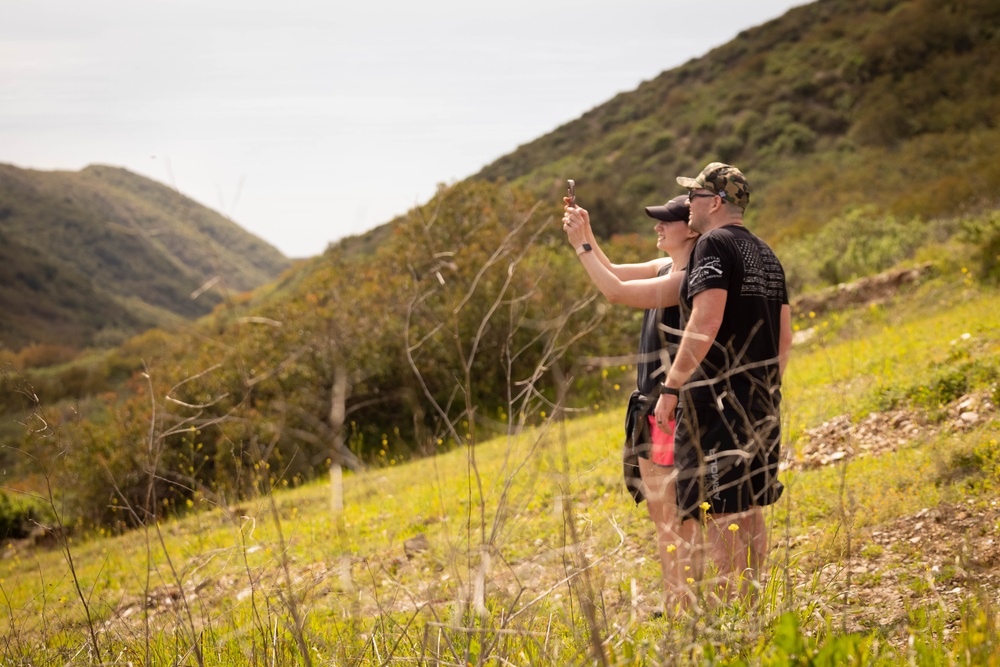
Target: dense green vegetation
[46,301]
[91,257]
[469,321]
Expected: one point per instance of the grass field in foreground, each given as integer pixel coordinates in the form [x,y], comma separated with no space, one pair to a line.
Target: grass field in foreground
[538,527]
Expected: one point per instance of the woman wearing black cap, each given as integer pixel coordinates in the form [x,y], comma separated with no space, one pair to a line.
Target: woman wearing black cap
[654,286]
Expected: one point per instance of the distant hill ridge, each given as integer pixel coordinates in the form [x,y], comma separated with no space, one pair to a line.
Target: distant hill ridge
[104,249]
[835,104]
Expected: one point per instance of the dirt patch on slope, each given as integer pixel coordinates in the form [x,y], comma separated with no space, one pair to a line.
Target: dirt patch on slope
[841,438]
[870,289]
[937,557]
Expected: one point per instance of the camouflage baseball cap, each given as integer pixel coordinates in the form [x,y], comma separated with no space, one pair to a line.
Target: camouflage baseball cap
[724,180]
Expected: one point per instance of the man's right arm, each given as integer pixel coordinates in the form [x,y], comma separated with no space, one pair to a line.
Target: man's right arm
[707,310]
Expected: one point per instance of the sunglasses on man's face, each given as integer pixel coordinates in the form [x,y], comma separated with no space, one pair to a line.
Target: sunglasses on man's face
[692,195]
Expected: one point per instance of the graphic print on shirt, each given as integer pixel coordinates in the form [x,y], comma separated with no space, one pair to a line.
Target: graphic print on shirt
[763,275]
[707,268]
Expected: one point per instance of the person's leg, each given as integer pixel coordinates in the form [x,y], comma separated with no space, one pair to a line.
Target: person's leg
[758,547]
[713,471]
[737,545]
[690,560]
[689,493]
[661,501]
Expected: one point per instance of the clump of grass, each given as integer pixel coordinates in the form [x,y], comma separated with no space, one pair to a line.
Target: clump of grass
[978,468]
[18,515]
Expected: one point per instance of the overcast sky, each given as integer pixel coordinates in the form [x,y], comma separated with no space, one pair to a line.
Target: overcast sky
[309,121]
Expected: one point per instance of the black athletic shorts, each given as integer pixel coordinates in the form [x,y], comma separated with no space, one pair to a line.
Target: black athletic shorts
[727,459]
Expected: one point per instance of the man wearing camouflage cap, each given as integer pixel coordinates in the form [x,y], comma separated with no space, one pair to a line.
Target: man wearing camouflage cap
[726,378]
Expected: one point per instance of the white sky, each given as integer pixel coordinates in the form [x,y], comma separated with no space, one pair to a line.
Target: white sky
[308,121]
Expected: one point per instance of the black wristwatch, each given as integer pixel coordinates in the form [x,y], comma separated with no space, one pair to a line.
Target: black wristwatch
[586,247]
[673,391]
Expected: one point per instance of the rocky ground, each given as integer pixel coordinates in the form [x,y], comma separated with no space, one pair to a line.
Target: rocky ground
[841,439]
[936,556]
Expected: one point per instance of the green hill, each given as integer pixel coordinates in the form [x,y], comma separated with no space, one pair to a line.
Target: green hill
[836,104]
[44,301]
[103,249]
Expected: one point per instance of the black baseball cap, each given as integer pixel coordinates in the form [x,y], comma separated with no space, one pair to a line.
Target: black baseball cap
[675,210]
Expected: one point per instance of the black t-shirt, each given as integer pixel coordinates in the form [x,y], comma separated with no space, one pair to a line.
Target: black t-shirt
[657,346]
[742,363]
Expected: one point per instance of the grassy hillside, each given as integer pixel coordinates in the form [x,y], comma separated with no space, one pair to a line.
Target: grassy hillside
[47,301]
[135,248]
[836,105]
[883,549]
[477,285]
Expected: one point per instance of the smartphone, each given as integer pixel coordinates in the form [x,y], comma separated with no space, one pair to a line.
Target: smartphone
[571,191]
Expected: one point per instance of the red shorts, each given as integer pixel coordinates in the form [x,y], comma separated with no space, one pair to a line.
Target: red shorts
[663,443]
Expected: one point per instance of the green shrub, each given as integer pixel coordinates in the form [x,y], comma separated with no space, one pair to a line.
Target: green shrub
[747,124]
[947,383]
[663,142]
[15,518]
[980,467]
[984,234]
[728,148]
[949,386]
[860,243]
[643,186]
[796,138]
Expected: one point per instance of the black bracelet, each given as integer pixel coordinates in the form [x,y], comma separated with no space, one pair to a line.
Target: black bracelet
[673,391]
